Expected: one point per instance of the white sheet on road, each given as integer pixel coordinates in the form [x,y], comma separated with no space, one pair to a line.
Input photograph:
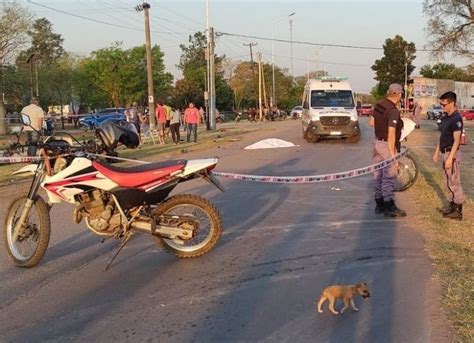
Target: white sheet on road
[270,143]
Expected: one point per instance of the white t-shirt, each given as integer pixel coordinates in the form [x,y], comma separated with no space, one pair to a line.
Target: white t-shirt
[36,115]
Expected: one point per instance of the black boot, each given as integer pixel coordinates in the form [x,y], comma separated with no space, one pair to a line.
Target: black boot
[379,206]
[448,208]
[455,214]
[391,210]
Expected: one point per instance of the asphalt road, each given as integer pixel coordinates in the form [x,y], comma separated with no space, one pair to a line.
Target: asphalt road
[281,246]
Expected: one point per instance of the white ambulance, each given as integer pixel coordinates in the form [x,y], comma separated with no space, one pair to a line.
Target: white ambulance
[329,110]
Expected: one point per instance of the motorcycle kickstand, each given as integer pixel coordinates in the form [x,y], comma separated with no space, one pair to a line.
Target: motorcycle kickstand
[125,240]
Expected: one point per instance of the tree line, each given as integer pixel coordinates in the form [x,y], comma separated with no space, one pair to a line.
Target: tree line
[33,61]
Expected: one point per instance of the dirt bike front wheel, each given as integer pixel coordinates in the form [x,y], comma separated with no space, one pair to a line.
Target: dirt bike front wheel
[207,225]
[30,246]
[407,173]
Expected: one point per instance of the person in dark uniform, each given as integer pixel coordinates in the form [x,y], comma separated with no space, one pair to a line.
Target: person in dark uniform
[388,129]
[449,141]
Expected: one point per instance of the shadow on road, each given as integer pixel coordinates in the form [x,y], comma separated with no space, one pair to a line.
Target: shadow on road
[134,271]
[371,263]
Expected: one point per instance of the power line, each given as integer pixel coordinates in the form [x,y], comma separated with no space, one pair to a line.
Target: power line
[319,44]
[182,15]
[82,17]
[266,53]
[101,21]
[321,61]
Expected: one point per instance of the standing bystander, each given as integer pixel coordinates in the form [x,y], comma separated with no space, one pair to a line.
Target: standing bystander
[174,125]
[135,118]
[388,126]
[416,114]
[36,115]
[160,114]
[449,141]
[191,119]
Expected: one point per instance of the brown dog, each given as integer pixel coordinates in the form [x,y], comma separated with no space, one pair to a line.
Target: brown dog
[346,293]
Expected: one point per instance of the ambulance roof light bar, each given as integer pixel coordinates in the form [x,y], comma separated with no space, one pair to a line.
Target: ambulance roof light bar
[333,78]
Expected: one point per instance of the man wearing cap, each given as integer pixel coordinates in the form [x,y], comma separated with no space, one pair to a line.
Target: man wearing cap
[388,129]
[450,138]
[36,115]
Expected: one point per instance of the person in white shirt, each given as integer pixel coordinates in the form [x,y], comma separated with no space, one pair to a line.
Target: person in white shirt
[36,115]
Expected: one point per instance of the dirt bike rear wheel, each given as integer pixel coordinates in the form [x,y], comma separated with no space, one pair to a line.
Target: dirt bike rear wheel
[207,217]
[30,248]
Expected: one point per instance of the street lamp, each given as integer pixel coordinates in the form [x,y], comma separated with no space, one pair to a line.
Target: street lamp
[273,100]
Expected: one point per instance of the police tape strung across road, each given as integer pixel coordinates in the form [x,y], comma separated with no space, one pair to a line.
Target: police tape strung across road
[257,178]
[314,178]
[19,159]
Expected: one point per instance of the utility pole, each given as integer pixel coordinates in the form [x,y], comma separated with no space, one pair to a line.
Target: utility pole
[3,126]
[264,87]
[30,62]
[307,63]
[406,82]
[212,84]
[250,45]
[145,7]
[36,77]
[206,92]
[291,45]
[259,59]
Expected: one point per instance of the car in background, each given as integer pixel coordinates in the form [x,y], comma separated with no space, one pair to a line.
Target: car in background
[92,121]
[366,110]
[434,112]
[467,114]
[296,112]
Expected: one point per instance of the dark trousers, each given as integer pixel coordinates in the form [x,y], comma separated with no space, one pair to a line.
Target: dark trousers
[32,138]
[174,128]
[192,128]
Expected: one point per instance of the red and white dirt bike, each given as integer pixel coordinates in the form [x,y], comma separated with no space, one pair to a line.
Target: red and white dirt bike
[113,201]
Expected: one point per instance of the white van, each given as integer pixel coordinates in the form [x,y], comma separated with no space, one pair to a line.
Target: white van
[329,110]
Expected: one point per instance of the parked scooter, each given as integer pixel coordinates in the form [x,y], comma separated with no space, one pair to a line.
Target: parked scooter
[113,201]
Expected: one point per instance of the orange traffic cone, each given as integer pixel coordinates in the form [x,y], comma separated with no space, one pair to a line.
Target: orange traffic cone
[463,137]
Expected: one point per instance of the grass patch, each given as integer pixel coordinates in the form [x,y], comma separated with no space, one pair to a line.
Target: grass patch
[449,243]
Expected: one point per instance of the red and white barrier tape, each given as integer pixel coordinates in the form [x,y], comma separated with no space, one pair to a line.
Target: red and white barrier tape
[260,178]
[313,178]
[20,159]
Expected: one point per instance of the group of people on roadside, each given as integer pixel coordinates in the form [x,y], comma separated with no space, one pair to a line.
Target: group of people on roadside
[169,121]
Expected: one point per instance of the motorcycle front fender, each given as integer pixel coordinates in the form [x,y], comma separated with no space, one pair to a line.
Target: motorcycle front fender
[28,169]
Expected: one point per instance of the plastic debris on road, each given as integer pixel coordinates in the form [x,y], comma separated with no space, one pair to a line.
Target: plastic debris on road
[270,143]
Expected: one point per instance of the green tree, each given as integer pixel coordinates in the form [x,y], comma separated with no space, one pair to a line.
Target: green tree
[391,67]
[446,71]
[193,65]
[121,75]
[186,91]
[244,85]
[46,46]
[450,25]
[14,24]
[37,64]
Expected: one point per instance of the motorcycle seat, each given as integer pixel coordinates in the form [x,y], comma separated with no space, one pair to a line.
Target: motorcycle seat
[144,176]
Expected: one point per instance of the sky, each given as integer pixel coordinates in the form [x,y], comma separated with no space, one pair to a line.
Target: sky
[349,22]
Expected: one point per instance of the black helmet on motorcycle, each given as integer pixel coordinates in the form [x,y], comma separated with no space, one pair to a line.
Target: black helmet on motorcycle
[113,132]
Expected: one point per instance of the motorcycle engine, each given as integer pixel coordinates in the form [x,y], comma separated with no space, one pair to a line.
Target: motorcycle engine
[99,211]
